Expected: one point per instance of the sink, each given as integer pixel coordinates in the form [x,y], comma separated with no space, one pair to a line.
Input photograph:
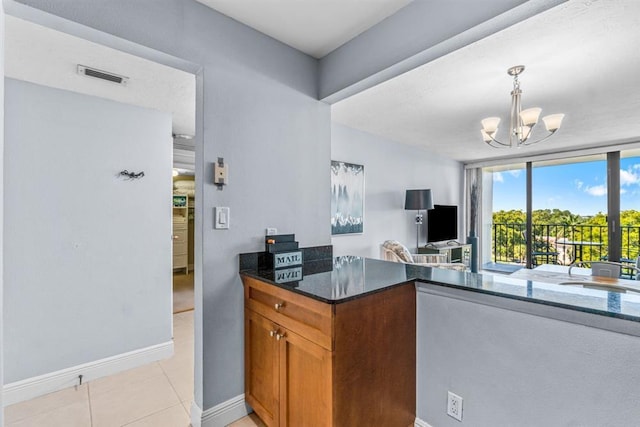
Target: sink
[601,286]
[584,282]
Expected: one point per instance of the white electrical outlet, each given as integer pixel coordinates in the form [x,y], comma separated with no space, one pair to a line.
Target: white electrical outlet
[454,406]
[272,231]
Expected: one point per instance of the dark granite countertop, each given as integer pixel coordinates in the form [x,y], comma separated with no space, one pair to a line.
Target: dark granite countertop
[348,277]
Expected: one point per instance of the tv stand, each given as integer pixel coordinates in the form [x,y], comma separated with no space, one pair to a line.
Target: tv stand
[457,252]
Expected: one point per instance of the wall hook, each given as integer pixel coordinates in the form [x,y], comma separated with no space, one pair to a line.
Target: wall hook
[132,175]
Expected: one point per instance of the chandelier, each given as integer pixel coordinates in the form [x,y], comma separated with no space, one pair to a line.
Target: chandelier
[522,121]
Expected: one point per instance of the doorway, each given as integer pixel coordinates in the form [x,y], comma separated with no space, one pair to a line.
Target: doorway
[28,50]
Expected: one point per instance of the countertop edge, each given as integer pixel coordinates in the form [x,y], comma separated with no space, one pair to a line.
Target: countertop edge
[318,298]
[547,309]
[541,307]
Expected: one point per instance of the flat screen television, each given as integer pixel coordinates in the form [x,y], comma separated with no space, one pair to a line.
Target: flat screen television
[442,223]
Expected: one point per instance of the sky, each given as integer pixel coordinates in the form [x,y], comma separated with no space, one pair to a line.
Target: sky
[578,187]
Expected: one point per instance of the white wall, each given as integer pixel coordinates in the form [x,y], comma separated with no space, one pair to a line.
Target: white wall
[87,253]
[513,368]
[390,169]
[1,209]
[259,110]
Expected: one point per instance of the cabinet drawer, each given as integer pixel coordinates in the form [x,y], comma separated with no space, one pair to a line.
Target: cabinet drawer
[180,224]
[180,235]
[305,316]
[180,248]
[180,261]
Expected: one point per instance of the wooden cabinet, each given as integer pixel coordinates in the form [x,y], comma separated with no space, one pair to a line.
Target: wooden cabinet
[316,364]
[262,382]
[287,376]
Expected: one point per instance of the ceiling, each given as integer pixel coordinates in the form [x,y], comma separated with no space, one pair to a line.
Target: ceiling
[581,60]
[48,57]
[311,26]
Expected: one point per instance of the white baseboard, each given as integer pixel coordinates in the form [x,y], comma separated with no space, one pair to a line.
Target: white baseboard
[220,415]
[196,415]
[37,386]
[421,423]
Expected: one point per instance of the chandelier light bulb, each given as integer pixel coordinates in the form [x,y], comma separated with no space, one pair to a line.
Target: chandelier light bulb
[490,124]
[530,116]
[553,122]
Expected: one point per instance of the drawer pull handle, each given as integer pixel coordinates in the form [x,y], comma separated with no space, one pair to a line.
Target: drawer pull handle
[278,306]
[273,333]
[280,336]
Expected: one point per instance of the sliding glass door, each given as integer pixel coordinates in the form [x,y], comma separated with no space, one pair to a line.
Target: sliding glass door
[569,210]
[505,205]
[584,208]
[630,205]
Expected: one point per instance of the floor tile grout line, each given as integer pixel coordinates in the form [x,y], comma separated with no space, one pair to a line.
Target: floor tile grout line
[173,387]
[20,420]
[148,415]
[89,393]
[162,375]
[171,382]
[112,389]
[90,406]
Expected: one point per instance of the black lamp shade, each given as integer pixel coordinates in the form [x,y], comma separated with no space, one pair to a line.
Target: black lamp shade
[418,200]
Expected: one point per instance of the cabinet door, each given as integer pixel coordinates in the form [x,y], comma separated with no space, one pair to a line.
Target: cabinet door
[261,367]
[305,382]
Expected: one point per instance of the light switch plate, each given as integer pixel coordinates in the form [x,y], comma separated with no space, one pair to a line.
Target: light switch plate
[222,216]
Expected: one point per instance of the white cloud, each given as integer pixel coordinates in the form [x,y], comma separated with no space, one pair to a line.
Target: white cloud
[515,172]
[578,183]
[627,177]
[497,177]
[623,191]
[636,166]
[553,200]
[597,190]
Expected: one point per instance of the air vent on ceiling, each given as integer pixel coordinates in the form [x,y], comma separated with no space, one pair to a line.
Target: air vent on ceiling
[103,75]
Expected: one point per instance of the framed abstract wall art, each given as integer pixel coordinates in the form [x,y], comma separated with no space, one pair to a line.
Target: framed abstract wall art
[347,198]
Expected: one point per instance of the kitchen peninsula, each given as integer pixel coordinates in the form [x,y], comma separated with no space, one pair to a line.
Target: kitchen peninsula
[341,341]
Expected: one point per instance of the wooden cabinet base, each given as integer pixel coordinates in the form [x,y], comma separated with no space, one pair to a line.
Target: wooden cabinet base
[374,373]
[364,377]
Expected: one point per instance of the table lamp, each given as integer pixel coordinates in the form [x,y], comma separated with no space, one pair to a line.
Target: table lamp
[418,200]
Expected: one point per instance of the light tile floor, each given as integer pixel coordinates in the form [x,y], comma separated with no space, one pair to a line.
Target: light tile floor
[158,394]
[154,395]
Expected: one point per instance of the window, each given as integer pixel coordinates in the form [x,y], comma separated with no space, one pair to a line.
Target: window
[573,210]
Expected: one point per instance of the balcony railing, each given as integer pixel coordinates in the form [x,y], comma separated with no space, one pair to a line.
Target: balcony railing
[560,243]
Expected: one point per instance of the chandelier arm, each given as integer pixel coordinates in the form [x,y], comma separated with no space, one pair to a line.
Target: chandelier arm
[497,142]
[527,143]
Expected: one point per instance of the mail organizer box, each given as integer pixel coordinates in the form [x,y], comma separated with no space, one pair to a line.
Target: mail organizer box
[282,251]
